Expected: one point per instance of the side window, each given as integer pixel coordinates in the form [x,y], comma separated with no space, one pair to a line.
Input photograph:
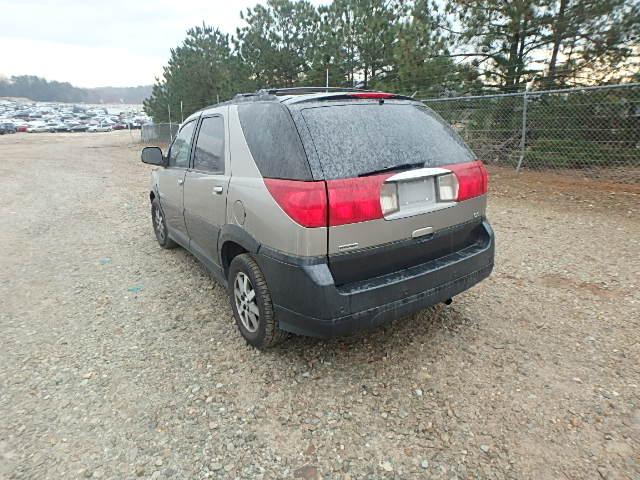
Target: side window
[179,153]
[209,156]
[274,141]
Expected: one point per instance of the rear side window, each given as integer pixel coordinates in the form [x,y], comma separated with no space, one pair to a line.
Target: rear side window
[274,141]
[209,154]
[360,138]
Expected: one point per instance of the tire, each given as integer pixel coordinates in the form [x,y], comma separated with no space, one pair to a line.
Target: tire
[261,330]
[160,226]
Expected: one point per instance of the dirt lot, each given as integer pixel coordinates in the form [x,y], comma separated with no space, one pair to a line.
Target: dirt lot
[121,360]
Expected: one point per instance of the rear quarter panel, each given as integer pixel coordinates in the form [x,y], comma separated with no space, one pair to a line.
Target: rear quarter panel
[251,206]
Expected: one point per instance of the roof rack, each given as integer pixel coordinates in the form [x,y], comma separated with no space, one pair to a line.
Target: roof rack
[250,97]
[271,94]
[306,90]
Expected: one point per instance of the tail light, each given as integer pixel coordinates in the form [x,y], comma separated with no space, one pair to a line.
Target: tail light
[354,200]
[330,203]
[448,187]
[467,180]
[389,198]
[304,202]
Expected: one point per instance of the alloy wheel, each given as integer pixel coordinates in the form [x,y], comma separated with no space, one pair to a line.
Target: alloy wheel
[246,305]
[158,220]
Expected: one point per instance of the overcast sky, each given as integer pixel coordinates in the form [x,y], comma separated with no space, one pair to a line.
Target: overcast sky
[93,43]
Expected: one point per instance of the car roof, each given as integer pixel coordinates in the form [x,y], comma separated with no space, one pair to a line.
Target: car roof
[295,95]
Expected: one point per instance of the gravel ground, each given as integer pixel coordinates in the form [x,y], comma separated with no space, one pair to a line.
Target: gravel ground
[121,360]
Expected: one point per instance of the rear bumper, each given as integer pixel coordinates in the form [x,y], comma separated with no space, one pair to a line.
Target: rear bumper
[307,301]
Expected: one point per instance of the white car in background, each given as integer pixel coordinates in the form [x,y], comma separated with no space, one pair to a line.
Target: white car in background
[38,129]
[100,128]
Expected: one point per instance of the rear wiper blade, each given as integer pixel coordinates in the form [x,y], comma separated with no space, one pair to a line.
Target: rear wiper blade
[390,168]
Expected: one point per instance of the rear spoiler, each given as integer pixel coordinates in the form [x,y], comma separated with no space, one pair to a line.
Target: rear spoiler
[356,95]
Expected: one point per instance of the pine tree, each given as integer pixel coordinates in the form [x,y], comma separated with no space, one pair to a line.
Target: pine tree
[278,42]
[200,71]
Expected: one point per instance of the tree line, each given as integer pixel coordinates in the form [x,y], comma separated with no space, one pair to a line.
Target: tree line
[416,47]
[39,89]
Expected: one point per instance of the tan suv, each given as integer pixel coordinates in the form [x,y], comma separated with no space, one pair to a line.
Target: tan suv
[324,211]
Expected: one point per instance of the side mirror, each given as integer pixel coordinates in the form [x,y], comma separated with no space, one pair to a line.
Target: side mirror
[153,156]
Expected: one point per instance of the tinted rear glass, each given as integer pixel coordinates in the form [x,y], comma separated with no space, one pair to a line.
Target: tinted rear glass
[274,141]
[360,138]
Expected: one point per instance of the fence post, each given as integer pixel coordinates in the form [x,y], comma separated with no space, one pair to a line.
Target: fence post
[170,129]
[523,137]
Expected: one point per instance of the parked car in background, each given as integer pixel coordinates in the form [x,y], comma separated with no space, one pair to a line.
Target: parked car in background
[7,127]
[78,128]
[55,115]
[324,212]
[38,129]
[59,127]
[100,128]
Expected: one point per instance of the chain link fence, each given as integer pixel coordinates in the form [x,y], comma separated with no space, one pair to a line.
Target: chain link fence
[158,133]
[591,131]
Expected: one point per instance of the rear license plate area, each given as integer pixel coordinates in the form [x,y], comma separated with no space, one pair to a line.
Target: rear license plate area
[416,194]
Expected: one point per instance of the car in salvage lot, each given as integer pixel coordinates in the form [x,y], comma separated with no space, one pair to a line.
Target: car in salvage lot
[7,127]
[38,129]
[63,117]
[59,127]
[100,128]
[324,211]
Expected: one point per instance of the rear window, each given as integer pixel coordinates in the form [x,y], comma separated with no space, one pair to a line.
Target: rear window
[274,141]
[358,139]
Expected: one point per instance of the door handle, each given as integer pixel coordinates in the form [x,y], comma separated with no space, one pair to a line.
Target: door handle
[218,190]
[180,181]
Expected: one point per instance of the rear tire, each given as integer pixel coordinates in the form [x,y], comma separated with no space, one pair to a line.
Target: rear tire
[160,226]
[251,303]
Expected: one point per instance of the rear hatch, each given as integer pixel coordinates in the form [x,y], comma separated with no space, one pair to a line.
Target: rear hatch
[402,186]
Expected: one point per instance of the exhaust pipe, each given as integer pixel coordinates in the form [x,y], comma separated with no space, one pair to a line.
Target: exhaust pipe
[448,301]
